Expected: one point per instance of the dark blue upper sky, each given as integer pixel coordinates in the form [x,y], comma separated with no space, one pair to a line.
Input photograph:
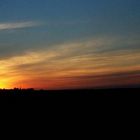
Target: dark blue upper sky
[68,20]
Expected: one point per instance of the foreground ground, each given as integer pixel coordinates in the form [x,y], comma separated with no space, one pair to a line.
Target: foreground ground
[84,99]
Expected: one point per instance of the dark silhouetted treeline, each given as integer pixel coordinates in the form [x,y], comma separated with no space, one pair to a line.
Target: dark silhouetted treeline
[84,92]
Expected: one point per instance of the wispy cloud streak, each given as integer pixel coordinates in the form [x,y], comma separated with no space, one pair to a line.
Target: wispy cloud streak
[18,25]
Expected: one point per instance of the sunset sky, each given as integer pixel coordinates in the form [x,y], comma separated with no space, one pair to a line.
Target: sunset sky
[60,44]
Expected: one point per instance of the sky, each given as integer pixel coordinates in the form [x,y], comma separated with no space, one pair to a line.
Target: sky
[65,44]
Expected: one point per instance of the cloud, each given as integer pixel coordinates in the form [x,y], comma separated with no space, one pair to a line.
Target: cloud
[17,25]
[72,62]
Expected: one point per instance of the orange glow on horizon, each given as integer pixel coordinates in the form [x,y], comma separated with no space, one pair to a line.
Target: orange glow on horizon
[62,67]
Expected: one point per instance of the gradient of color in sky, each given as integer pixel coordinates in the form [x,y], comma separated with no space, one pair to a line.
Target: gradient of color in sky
[58,44]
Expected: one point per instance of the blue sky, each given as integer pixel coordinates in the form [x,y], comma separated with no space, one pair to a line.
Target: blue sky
[70,19]
[67,20]
[28,26]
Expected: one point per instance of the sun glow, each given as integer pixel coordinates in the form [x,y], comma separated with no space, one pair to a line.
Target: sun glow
[3,85]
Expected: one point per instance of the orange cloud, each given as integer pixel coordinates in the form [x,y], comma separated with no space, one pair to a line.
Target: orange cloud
[72,65]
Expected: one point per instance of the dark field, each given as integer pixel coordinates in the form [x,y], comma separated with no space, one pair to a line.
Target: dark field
[84,99]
